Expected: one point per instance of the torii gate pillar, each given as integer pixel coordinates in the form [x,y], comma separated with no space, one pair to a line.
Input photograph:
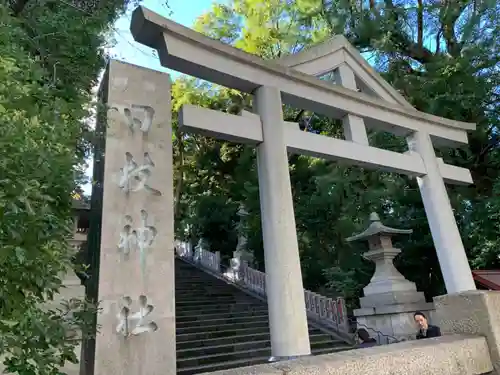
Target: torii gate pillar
[290,336]
[449,247]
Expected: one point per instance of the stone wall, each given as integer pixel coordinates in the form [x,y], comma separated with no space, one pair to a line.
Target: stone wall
[393,325]
[449,355]
[472,313]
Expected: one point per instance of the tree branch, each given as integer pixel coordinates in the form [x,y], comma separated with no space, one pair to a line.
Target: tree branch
[420,23]
[299,115]
[416,51]
[325,16]
[403,43]
[449,14]
[438,38]
[18,6]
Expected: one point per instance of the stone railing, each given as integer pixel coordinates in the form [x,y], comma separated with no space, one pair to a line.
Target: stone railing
[328,311]
[252,279]
[205,258]
[382,338]
[208,259]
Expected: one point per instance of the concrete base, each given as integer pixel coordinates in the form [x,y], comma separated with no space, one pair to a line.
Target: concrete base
[453,355]
[392,298]
[475,313]
[395,321]
[394,284]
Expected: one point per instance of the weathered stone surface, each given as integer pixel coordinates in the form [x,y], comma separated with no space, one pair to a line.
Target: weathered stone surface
[137,253]
[474,312]
[392,298]
[450,355]
[397,325]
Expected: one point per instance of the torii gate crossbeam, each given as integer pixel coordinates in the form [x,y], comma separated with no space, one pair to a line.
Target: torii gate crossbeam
[271,84]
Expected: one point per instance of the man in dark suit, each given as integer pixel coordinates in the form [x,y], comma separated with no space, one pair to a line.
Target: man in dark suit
[426,331]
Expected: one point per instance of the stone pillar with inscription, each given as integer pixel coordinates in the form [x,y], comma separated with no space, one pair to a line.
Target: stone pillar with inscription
[136,334]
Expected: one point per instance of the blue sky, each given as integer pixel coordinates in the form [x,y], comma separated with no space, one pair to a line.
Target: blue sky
[128,50]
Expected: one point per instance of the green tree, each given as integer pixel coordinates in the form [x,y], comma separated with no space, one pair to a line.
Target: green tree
[50,57]
[207,190]
[325,201]
[443,57]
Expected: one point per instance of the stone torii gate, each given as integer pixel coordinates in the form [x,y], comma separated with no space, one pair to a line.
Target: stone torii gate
[290,82]
[137,210]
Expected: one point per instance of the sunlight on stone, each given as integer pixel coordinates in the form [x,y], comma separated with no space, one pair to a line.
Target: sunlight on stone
[138,320]
[134,122]
[134,177]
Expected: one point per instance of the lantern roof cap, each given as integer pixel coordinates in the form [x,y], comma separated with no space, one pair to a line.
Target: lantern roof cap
[377,228]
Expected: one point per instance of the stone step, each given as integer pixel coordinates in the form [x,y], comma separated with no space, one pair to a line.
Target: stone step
[314,337]
[220,327]
[228,356]
[223,357]
[201,290]
[321,342]
[249,360]
[209,322]
[196,289]
[212,301]
[209,293]
[221,305]
[221,366]
[221,309]
[207,290]
[239,338]
[223,327]
[200,335]
[214,315]
[229,307]
[192,344]
[187,274]
[202,283]
[205,286]
[228,332]
[332,349]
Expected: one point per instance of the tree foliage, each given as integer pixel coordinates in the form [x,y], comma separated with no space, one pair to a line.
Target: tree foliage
[50,57]
[441,55]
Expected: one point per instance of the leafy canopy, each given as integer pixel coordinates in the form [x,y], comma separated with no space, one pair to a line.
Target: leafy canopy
[442,56]
[50,57]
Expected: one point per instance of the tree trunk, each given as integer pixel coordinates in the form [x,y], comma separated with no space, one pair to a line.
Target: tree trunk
[180,181]
[18,6]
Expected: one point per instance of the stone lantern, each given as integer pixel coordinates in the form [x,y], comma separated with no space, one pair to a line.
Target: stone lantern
[389,299]
[241,253]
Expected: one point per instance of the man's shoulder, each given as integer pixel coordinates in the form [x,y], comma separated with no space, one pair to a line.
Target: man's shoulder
[435,330]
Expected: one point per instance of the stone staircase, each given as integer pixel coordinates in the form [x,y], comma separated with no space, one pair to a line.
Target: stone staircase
[219,326]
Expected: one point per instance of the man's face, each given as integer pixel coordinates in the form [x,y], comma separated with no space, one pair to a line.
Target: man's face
[421,321]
